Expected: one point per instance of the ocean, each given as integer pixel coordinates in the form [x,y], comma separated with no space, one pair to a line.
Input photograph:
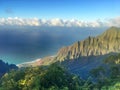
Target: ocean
[24,44]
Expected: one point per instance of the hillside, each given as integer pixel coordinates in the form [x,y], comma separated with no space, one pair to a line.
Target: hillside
[105,43]
[5,67]
[96,47]
[56,77]
[53,77]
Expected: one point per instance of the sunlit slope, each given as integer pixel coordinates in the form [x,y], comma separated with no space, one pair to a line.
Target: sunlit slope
[105,43]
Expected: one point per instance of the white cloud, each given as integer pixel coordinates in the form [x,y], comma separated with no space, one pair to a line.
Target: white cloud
[59,22]
[114,22]
[56,22]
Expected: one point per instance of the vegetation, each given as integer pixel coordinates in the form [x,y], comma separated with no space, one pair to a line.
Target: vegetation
[105,43]
[108,78]
[5,67]
[53,77]
[56,77]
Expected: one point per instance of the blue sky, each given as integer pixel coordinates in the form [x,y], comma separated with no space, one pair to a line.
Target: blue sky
[64,9]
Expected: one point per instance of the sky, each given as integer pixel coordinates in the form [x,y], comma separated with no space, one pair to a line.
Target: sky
[86,13]
[64,9]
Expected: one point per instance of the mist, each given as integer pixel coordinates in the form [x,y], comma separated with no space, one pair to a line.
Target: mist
[22,44]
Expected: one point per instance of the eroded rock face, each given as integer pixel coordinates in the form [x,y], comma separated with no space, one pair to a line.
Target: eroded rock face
[106,43]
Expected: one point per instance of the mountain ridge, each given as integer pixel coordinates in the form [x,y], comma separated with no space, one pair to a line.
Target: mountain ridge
[108,42]
[105,43]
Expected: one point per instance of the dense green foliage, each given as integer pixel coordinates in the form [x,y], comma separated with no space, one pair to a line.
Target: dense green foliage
[56,77]
[107,77]
[52,77]
[5,67]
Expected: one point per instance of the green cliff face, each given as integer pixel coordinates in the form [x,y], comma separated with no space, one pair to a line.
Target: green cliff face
[106,43]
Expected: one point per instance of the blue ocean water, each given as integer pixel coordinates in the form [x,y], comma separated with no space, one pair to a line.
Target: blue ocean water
[18,45]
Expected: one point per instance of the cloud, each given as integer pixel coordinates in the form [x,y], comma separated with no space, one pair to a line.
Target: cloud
[59,22]
[114,22]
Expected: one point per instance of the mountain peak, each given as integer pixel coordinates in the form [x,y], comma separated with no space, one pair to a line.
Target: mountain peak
[111,34]
[105,43]
[112,29]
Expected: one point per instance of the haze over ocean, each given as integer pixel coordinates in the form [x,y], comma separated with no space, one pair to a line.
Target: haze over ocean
[37,28]
[18,46]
